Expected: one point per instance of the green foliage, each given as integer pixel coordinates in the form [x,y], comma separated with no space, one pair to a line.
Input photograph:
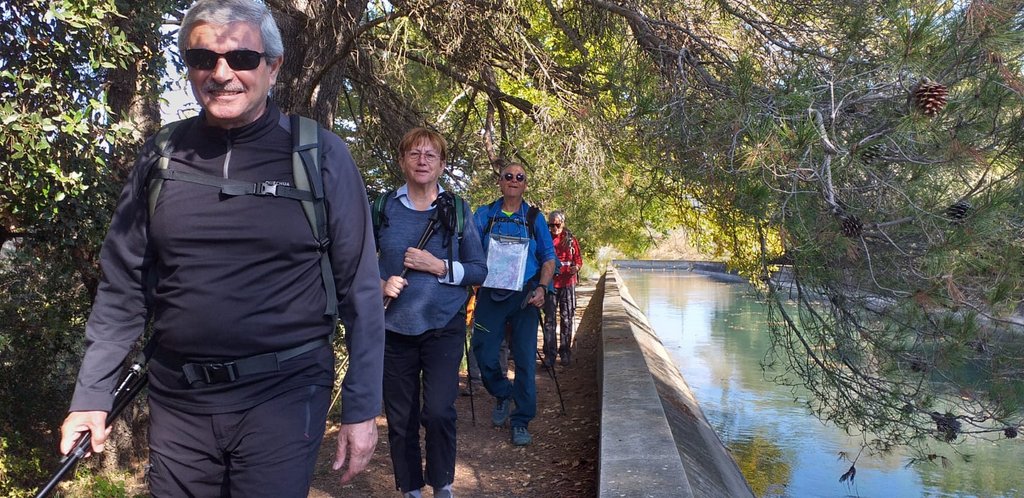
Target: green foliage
[18,460]
[41,322]
[56,130]
[105,487]
[770,130]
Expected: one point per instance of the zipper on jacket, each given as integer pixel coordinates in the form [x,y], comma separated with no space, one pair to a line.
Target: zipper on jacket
[227,157]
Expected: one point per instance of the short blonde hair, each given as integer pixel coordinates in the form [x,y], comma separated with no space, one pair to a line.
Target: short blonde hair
[418,134]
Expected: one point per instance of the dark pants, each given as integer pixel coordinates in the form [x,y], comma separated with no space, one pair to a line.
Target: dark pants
[565,302]
[267,450]
[429,361]
[491,317]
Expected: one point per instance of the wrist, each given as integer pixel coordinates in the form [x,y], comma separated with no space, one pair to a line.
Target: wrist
[444,269]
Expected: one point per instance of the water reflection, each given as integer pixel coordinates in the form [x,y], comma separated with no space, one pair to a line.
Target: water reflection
[717,335]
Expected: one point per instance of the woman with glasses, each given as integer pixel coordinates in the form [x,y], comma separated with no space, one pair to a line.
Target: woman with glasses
[425,319]
[520,264]
[564,299]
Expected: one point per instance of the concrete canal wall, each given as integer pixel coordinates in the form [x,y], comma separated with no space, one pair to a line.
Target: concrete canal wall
[655,441]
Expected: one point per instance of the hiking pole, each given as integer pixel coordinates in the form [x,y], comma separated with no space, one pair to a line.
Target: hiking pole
[427,233]
[551,372]
[469,385]
[125,392]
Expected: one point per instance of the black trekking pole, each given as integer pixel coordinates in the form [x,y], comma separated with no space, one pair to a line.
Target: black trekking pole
[469,385]
[427,233]
[125,392]
[551,372]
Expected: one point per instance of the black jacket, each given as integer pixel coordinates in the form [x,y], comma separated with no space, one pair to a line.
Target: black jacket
[236,276]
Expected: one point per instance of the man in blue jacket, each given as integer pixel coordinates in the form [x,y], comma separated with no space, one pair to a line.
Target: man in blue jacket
[520,267]
[241,375]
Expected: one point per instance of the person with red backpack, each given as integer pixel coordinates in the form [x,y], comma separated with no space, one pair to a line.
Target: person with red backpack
[567,249]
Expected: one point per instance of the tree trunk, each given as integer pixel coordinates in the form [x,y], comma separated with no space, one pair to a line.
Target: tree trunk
[319,37]
[133,95]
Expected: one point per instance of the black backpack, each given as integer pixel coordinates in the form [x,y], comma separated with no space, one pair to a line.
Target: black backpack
[308,188]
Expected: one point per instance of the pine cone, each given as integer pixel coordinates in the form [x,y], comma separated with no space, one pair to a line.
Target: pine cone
[958,211]
[851,225]
[930,97]
[1010,432]
[947,427]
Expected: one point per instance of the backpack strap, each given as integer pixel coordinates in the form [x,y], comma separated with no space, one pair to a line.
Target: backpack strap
[494,208]
[460,215]
[308,188]
[460,227]
[163,149]
[569,239]
[308,177]
[531,218]
[378,216]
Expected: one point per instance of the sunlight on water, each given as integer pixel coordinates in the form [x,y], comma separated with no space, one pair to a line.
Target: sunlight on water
[717,334]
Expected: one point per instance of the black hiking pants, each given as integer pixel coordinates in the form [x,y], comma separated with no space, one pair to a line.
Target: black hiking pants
[267,450]
[423,367]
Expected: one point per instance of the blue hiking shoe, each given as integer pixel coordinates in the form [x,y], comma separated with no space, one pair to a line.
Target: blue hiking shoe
[520,436]
[501,412]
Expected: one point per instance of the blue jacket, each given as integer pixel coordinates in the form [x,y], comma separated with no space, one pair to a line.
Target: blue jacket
[542,249]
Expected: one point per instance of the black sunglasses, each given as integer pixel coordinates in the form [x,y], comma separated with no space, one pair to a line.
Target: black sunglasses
[518,176]
[239,60]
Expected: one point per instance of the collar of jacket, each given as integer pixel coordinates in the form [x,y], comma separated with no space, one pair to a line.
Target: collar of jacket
[251,132]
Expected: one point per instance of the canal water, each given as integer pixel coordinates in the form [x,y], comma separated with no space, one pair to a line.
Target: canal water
[717,335]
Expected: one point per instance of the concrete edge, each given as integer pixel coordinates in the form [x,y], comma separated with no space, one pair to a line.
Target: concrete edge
[637,455]
[644,393]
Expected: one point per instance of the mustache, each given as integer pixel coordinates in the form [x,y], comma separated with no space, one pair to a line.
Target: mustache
[229,87]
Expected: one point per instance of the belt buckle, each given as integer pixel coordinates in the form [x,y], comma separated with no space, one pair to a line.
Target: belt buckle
[269,187]
[215,373]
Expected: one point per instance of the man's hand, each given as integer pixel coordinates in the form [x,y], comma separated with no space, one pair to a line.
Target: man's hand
[78,422]
[356,443]
[537,298]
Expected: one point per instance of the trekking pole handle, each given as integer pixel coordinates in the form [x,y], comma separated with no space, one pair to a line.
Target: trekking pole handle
[427,233]
[123,394]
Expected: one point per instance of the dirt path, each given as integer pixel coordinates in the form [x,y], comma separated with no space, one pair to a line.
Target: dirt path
[561,462]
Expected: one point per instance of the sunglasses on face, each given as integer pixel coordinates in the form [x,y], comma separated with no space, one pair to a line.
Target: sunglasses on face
[519,177]
[556,225]
[239,60]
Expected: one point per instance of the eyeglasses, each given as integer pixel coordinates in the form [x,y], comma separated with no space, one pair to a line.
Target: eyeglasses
[415,155]
[518,176]
[239,60]
[556,225]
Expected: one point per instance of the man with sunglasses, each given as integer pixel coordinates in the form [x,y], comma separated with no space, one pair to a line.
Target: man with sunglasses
[564,299]
[510,222]
[243,367]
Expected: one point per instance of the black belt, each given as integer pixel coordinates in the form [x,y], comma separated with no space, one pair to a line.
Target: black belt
[216,373]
